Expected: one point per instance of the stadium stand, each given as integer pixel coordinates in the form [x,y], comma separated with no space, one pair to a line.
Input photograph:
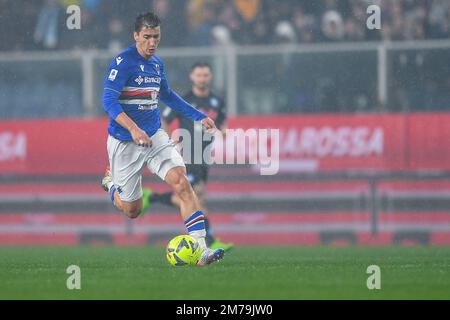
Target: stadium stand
[208,22]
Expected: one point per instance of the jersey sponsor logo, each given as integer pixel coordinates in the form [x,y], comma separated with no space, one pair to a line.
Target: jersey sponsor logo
[154,95]
[150,107]
[119,60]
[141,79]
[152,80]
[113,74]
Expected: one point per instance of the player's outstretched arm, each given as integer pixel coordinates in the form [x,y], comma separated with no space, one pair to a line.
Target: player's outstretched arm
[177,103]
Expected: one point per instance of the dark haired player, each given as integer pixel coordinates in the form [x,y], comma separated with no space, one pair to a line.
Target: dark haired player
[206,101]
[133,87]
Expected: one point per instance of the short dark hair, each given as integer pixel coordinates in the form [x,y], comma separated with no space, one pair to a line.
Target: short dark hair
[147,20]
[201,64]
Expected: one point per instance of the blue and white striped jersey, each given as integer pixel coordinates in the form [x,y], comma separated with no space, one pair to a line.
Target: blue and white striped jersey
[134,85]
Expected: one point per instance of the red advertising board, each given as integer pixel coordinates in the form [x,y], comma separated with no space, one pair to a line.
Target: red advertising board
[336,142]
[53,147]
[382,142]
[428,141]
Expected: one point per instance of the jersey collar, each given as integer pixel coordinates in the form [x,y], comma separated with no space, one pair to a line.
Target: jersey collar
[136,53]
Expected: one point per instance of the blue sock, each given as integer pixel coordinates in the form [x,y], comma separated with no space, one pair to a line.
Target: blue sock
[195,225]
[112,191]
[196,222]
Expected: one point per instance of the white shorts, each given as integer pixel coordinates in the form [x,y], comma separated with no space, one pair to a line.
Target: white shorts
[127,161]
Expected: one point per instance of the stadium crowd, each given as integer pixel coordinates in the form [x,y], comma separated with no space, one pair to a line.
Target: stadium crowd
[417,81]
[105,24]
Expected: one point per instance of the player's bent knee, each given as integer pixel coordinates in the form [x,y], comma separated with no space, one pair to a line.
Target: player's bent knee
[180,184]
[184,190]
[132,214]
[132,210]
[184,185]
[180,181]
[174,175]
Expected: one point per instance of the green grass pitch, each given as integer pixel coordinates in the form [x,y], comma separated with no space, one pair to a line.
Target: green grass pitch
[245,273]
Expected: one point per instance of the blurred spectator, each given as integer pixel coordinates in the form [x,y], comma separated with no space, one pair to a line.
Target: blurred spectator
[260,32]
[228,17]
[221,36]
[305,25]
[173,21]
[46,32]
[92,6]
[117,33]
[247,9]
[195,12]
[438,18]
[284,32]
[201,35]
[10,16]
[354,31]
[333,26]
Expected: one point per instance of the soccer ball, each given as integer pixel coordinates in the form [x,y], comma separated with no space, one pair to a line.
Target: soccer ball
[183,251]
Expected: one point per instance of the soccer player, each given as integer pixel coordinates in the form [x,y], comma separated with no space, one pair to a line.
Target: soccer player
[205,100]
[135,82]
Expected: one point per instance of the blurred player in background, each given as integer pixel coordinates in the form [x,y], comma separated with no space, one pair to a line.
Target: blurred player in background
[135,83]
[206,101]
